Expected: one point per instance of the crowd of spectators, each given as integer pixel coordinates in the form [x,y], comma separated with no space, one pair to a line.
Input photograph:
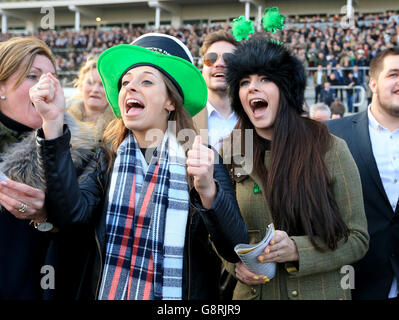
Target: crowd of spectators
[314,40]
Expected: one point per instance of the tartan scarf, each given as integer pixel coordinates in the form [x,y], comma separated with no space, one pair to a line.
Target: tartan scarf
[146,223]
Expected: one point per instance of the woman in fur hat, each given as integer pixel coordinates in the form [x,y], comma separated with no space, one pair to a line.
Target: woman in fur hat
[151,203]
[303,180]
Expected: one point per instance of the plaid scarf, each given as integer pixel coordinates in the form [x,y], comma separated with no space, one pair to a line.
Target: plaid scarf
[146,223]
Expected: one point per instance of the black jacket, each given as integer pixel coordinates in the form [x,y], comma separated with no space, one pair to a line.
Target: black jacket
[35,265]
[23,249]
[74,201]
[327,96]
[374,273]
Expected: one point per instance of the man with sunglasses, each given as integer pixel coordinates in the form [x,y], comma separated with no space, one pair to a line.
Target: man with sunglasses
[217,120]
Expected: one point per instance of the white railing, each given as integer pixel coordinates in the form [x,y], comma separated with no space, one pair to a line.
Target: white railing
[360,105]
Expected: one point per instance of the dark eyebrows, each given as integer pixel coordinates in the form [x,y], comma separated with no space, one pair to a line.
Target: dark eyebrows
[144,72]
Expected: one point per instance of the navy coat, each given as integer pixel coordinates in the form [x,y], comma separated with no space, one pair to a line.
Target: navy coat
[374,273]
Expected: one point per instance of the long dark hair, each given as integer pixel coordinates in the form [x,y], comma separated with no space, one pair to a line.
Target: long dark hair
[297,182]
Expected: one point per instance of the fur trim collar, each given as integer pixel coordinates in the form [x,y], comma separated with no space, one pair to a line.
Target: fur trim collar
[21,162]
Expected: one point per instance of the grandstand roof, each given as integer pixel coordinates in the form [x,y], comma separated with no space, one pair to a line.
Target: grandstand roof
[27,15]
[17,4]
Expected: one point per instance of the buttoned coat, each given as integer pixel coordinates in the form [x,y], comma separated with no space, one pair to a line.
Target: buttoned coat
[375,272]
[318,275]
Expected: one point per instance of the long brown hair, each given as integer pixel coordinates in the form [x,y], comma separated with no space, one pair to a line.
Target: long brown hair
[297,184]
[116,130]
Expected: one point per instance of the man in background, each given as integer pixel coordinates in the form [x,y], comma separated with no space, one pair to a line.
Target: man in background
[327,95]
[319,78]
[319,112]
[217,120]
[373,139]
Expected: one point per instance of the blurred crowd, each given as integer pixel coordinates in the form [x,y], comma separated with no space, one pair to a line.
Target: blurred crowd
[314,40]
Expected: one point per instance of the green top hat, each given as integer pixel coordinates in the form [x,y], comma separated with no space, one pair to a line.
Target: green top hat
[163,52]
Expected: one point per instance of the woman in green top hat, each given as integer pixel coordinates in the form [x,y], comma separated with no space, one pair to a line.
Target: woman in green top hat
[154,194]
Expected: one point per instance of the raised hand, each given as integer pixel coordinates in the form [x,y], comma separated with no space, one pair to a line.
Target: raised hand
[48,98]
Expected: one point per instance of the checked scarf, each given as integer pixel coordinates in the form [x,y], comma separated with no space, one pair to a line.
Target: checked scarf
[146,223]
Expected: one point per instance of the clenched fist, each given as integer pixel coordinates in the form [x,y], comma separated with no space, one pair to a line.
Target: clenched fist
[48,98]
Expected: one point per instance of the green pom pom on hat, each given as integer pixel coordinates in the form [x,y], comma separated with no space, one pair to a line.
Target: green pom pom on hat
[272,20]
[242,28]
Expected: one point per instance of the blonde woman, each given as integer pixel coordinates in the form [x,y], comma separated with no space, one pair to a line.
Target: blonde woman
[153,204]
[90,103]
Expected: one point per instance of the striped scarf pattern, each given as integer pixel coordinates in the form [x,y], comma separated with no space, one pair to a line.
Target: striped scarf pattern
[146,223]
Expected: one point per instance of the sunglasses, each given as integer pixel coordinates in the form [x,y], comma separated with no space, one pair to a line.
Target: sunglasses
[211,57]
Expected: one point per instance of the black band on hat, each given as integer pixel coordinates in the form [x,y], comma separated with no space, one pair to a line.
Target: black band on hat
[156,67]
[163,45]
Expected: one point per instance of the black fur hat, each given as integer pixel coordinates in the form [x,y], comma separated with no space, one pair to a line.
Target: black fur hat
[263,56]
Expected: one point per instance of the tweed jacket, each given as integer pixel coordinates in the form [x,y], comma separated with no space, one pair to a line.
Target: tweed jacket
[317,275]
[201,123]
[323,78]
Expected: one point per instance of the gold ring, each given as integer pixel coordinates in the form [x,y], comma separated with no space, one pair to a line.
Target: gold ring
[23,207]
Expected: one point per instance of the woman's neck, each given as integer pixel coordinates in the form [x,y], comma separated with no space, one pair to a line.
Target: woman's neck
[221,102]
[92,115]
[13,125]
[265,133]
[149,138]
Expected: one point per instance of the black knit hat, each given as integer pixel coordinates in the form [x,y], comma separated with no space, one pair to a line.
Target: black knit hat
[263,56]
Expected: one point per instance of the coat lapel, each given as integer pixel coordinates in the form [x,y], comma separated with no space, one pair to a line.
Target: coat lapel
[364,148]
[201,124]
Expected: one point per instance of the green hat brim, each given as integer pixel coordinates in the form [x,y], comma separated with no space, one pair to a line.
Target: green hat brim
[113,62]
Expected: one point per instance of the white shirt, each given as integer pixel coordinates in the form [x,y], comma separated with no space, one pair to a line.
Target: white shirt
[319,77]
[219,127]
[385,145]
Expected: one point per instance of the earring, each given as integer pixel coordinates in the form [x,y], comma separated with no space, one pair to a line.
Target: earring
[3,97]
